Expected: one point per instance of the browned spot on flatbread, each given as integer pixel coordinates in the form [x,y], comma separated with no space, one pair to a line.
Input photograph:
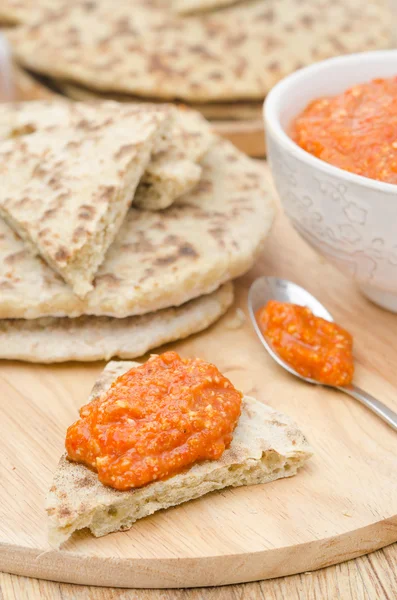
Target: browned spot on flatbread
[270,42]
[62,197]
[79,233]
[23,130]
[72,145]
[54,182]
[236,40]
[274,66]
[105,193]
[252,175]
[84,481]
[159,225]
[201,50]
[11,259]
[64,511]
[62,254]
[108,279]
[22,201]
[217,232]
[241,66]
[337,44]
[203,186]
[187,249]
[278,423]
[89,6]
[172,239]
[39,171]
[166,260]
[142,245]
[215,75]
[124,27]
[184,250]
[86,212]
[157,64]
[148,273]
[307,21]
[267,15]
[49,213]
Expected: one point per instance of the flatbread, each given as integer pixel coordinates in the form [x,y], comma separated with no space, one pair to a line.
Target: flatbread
[51,340]
[215,111]
[13,12]
[159,259]
[66,191]
[187,7]
[237,53]
[266,445]
[176,169]
[172,171]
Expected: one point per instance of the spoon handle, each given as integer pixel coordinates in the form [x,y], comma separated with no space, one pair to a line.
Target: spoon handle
[380,409]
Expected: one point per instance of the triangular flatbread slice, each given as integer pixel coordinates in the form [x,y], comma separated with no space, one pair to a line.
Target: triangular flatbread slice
[266,446]
[51,339]
[174,168]
[66,191]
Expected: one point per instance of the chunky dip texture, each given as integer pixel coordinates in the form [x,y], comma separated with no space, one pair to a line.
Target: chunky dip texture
[355,130]
[156,420]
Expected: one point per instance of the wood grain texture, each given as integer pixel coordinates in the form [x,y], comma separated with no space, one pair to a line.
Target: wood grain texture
[371,577]
[248,136]
[342,505]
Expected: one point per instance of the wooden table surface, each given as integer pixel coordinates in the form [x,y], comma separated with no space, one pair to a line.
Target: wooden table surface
[371,577]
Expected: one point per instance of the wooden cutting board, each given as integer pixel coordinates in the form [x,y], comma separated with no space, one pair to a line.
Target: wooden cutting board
[341,505]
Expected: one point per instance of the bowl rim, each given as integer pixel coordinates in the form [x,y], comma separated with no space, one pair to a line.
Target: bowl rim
[273,125]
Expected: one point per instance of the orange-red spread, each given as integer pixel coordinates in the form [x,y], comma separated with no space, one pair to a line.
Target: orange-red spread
[155,420]
[356,130]
[314,347]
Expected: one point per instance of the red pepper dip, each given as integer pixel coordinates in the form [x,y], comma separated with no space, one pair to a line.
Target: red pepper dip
[314,347]
[356,130]
[156,420]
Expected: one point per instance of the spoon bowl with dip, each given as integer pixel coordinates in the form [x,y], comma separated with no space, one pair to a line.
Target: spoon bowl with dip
[266,289]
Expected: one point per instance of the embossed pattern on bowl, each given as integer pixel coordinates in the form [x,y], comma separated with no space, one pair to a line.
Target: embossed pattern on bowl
[351,220]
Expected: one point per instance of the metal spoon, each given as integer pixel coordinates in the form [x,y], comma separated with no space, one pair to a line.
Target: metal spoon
[273,288]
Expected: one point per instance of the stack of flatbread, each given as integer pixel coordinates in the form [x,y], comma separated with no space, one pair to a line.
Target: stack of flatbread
[122,227]
[219,56]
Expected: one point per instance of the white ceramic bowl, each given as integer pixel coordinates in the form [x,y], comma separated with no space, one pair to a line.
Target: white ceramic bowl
[349,219]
